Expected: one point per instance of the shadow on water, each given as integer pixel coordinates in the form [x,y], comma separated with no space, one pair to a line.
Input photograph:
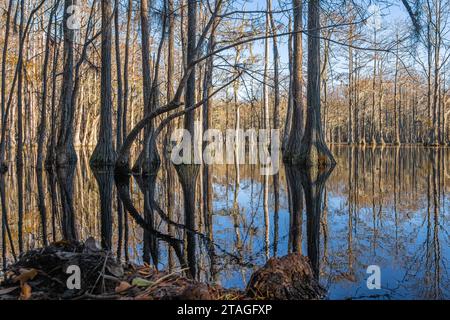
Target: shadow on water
[383,206]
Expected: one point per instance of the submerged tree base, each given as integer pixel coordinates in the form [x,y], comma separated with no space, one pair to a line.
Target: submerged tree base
[99,160]
[310,155]
[43,274]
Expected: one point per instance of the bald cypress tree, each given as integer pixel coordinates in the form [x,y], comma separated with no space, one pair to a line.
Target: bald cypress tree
[104,154]
[65,150]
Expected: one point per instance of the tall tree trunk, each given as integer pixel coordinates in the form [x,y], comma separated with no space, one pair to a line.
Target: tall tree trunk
[170,185]
[380,105]
[144,156]
[19,150]
[288,119]
[65,151]
[3,165]
[276,121]
[119,120]
[429,70]
[104,154]
[126,87]
[374,83]
[292,151]
[437,67]
[266,125]
[51,145]
[350,133]
[42,127]
[396,104]
[314,151]
[188,173]
[43,115]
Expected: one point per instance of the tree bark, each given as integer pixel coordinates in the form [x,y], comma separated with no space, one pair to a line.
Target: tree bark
[65,151]
[104,154]
[314,151]
[144,156]
[292,151]
[3,165]
[188,173]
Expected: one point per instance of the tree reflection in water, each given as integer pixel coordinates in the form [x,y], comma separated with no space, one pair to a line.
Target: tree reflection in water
[383,206]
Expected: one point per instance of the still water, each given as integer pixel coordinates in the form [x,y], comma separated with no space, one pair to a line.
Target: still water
[387,207]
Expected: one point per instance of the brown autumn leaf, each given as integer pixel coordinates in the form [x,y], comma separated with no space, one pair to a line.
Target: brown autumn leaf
[25,275]
[123,286]
[25,293]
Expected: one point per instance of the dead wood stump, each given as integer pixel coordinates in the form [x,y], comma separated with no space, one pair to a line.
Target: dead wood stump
[286,278]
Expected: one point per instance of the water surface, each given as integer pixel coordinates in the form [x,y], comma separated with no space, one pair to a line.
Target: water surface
[387,207]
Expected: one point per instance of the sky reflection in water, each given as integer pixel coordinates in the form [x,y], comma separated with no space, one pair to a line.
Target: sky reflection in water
[379,207]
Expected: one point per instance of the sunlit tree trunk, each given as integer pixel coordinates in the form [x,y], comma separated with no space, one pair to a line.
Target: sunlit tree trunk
[292,151]
[4,116]
[314,151]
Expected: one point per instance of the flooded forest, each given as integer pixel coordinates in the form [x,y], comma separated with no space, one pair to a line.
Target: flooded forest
[216,139]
